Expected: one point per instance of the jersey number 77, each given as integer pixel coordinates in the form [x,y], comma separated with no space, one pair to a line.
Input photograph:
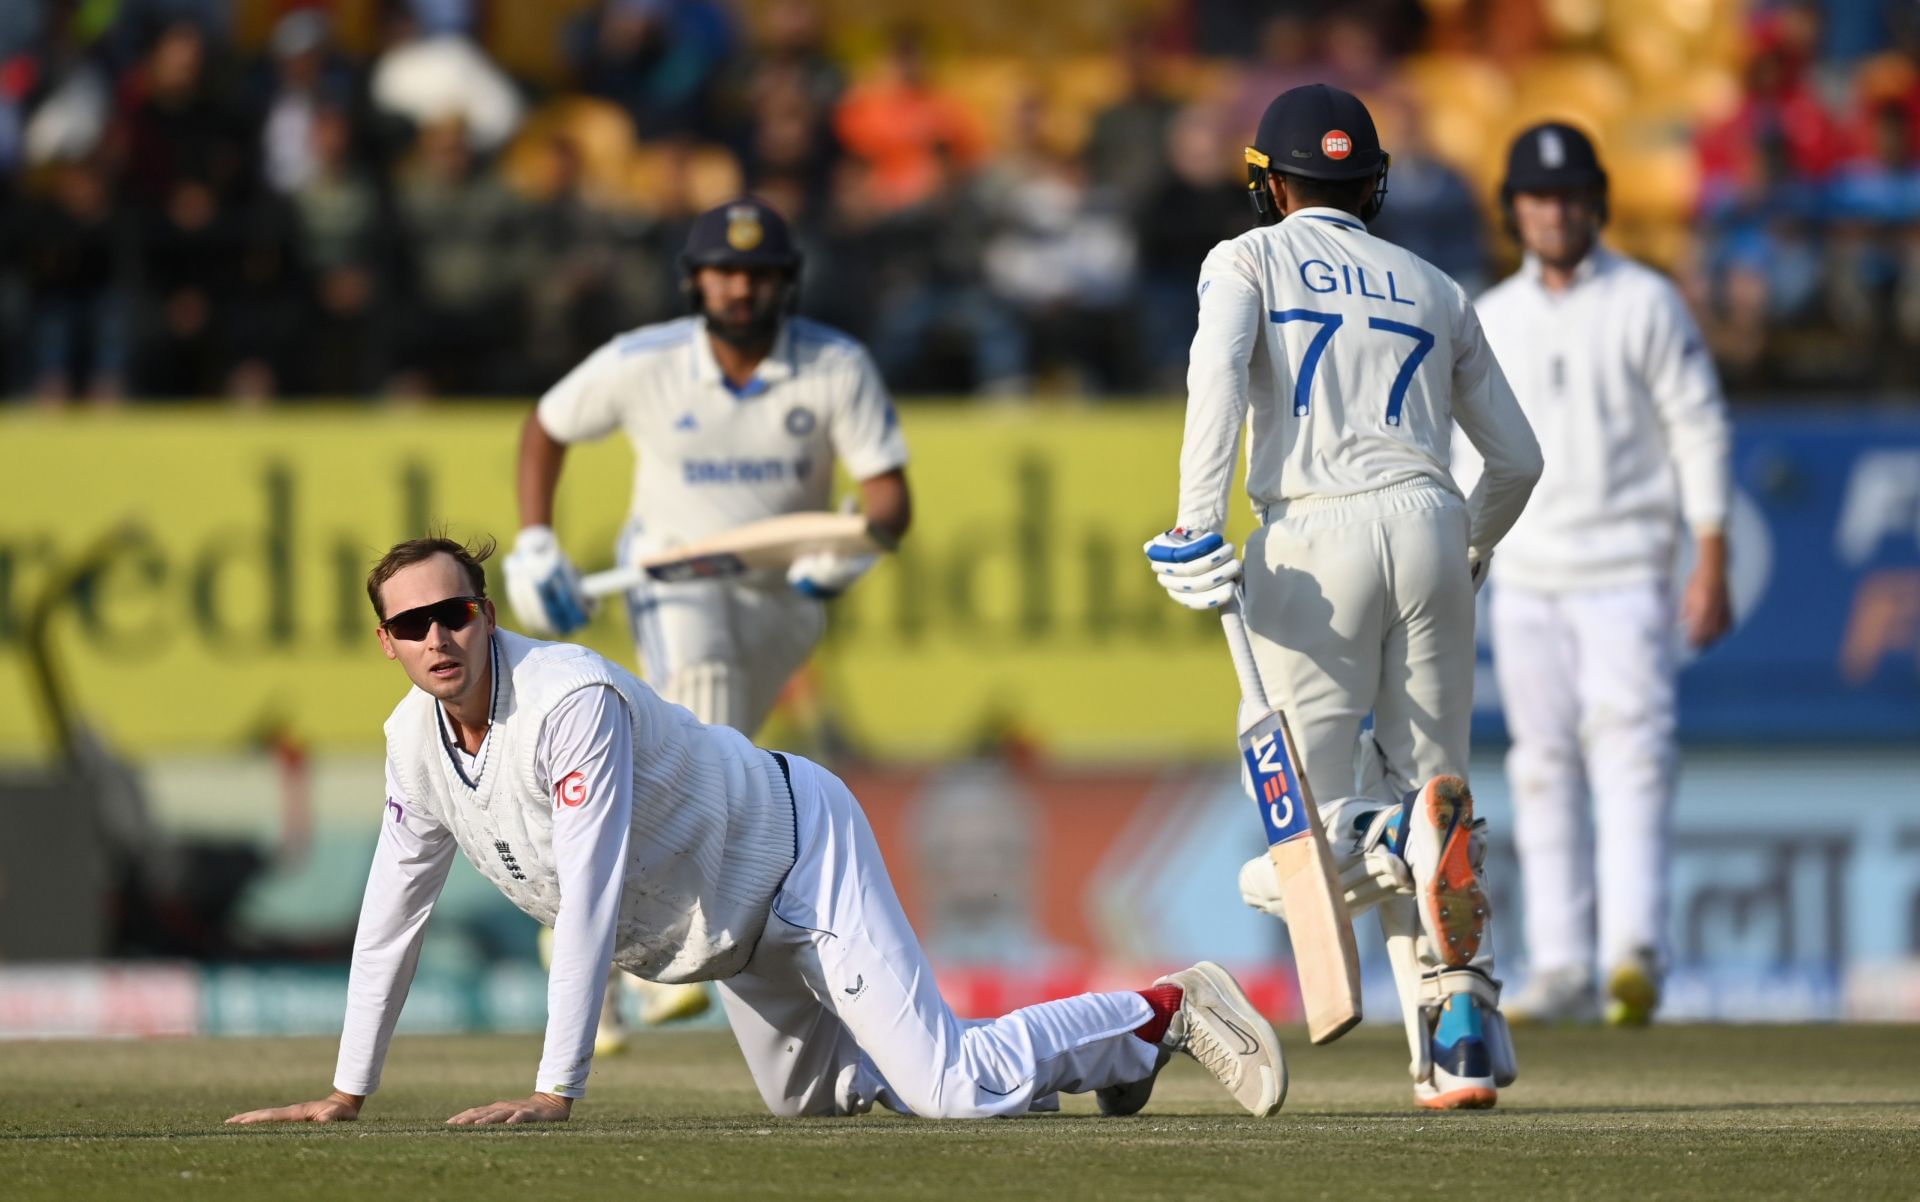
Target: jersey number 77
[1330,322]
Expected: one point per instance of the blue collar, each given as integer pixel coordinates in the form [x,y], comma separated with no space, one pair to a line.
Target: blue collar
[1349,222]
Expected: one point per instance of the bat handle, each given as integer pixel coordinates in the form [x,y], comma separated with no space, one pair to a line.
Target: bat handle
[611,581]
[1234,622]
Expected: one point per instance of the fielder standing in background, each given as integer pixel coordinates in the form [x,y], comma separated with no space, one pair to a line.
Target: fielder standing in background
[648,839]
[1617,382]
[1352,358]
[736,413]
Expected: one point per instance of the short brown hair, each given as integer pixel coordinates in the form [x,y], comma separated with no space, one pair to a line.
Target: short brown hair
[468,555]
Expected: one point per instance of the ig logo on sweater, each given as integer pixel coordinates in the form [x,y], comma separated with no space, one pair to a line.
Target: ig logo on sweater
[572,791]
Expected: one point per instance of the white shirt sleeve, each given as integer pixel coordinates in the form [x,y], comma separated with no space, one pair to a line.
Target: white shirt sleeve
[1680,377]
[410,864]
[586,758]
[1492,420]
[1231,315]
[865,429]
[585,404]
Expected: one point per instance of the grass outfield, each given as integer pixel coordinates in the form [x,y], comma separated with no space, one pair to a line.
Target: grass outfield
[1676,1112]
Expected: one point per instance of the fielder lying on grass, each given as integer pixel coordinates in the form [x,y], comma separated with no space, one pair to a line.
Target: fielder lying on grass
[681,852]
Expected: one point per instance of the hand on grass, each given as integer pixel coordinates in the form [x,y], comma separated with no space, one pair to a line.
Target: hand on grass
[540,1108]
[336,1107]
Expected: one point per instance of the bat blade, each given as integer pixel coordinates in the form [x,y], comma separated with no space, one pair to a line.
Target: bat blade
[1318,924]
[772,543]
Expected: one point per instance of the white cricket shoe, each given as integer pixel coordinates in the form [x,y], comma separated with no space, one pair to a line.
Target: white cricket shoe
[1557,997]
[1219,1027]
[1440,854]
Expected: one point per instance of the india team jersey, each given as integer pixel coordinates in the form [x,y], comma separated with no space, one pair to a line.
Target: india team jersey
[1349,359]
[712,457]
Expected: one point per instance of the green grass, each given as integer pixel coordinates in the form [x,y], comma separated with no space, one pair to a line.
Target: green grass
[1675,1112]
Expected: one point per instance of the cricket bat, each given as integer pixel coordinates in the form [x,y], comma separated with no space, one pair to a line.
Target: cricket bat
[1318,924]
[770,543]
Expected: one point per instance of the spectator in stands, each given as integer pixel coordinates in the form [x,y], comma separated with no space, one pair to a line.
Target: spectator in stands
[660,60]
[1127,150]
[1874,253]
[793,37]
[1062,256]
[306,75]
[344,244]
[74,245]
[180,123]
[426,77]
[790,132]
[1778,108]
[1431,208]
[596,268]
[936,326]
[1759,260]
[1202,202]
[465,236]
[907,129]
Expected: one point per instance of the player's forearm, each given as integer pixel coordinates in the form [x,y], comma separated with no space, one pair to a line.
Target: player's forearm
[541,457]
[1216,412]
[887,503]
[402,886]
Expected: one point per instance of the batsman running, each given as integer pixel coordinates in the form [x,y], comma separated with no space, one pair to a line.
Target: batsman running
[1349,359]
[678,850]
[736,413]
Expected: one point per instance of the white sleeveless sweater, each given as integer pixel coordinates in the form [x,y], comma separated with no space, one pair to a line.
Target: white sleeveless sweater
[712,835]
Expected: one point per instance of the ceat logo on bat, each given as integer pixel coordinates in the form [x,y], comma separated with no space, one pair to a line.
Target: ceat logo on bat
[1335,144]
[573,790]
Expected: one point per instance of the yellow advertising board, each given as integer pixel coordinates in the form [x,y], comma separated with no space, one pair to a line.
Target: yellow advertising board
[205,570]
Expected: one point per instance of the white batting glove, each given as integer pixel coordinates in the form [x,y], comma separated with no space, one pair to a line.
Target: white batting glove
[543,586]
[1479,563]
[1197,568]
[823,574]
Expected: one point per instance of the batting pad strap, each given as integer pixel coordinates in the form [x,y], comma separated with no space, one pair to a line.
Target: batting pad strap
[1436,988]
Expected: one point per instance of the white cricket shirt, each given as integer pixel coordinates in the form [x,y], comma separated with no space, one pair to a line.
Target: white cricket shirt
[1617,382]
[1349,359]
[711,457]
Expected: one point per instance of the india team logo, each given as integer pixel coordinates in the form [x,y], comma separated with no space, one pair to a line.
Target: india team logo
[1335,144]
[800,421]
[744,231]
[573,790]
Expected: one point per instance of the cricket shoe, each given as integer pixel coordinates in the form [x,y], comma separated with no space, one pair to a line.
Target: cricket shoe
[661,1004]
[1439,851]
[1462,1067]
[1633,991]
[1119,1101]
[1219,1027]
[1558,996]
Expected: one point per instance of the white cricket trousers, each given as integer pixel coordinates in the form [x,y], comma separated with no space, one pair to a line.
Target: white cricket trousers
[1364,603]
[724,649]
[838,1009]
[1587,684]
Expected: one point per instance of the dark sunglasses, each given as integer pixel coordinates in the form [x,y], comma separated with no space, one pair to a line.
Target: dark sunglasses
[454,613]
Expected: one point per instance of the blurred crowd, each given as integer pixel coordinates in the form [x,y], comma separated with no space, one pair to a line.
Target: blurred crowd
[185,216]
